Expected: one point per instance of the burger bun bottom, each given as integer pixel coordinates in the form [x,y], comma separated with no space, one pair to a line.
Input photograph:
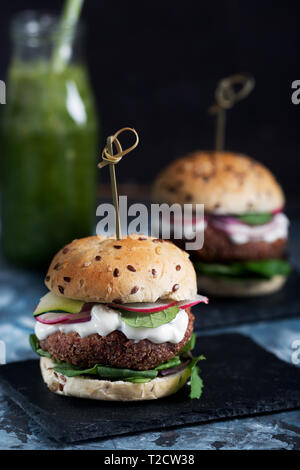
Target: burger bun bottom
[220,287]
[97,389]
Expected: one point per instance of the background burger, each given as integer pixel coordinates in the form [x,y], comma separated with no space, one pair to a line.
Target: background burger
[246,231]
[116,324]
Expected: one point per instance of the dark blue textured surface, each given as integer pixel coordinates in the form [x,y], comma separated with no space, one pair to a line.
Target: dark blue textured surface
[19,292]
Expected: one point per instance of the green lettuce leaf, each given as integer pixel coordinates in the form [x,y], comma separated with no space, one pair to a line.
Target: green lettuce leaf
[149,320]
[255,219]
[245,269]
[35,346]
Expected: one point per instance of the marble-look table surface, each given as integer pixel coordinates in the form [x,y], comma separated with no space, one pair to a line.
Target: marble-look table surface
[19,292]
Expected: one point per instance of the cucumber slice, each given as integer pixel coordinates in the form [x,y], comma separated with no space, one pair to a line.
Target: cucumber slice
[55,303]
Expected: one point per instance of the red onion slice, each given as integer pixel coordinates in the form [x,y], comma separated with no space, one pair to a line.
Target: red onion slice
[80,317]
[52,318]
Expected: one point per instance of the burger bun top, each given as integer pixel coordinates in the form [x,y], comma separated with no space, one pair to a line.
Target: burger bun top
[225,182]
[136,268]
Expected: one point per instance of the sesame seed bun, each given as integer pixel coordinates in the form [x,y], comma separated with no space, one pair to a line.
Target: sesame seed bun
[134,269]
[97,389]
[225,182]
[240,287]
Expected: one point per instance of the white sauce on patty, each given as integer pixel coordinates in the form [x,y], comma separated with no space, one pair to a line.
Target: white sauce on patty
[105,320]
[240,233]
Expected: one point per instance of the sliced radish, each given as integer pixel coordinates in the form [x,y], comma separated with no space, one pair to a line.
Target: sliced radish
[145,307]
[191,302]
[52,318]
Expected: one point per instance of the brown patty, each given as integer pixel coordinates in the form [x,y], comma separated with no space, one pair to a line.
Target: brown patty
[218,248]
[113,350]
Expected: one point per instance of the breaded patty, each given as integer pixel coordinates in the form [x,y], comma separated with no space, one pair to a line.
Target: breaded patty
[218,248]
[113,350]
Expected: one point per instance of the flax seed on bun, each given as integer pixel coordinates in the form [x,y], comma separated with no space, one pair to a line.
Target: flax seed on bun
[134,269]
[225,182]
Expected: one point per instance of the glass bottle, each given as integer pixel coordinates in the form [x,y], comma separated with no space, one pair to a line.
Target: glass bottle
[49,144]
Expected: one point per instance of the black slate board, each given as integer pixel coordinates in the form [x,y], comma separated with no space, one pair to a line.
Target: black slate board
[222,312]
[240,377]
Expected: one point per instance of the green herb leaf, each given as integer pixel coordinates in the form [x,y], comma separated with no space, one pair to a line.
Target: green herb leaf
[190,345]
[174,362]
[196,381]
[246,269]
[149,320]
[35,346]
[255,219]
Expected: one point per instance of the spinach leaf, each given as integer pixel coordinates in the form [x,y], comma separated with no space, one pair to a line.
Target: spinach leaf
[104,372]
[35,346]
[269,267]
[114,373]
[246,269]
[73,371]
[256,219]
[190,345]
[174,362]
[149,320]
[218,270]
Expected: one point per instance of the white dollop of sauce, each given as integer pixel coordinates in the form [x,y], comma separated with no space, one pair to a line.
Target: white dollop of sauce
[240,233]
[105,320]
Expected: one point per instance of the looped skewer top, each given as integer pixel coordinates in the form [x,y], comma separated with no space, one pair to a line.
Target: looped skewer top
[226,96]
[107,154]
[109,158]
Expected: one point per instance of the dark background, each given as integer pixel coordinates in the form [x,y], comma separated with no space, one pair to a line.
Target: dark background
[155,65]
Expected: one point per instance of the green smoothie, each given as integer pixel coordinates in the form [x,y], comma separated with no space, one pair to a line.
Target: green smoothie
[48,160]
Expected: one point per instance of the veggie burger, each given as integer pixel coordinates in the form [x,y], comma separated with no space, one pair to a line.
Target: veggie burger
[117,322]
[245,228]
